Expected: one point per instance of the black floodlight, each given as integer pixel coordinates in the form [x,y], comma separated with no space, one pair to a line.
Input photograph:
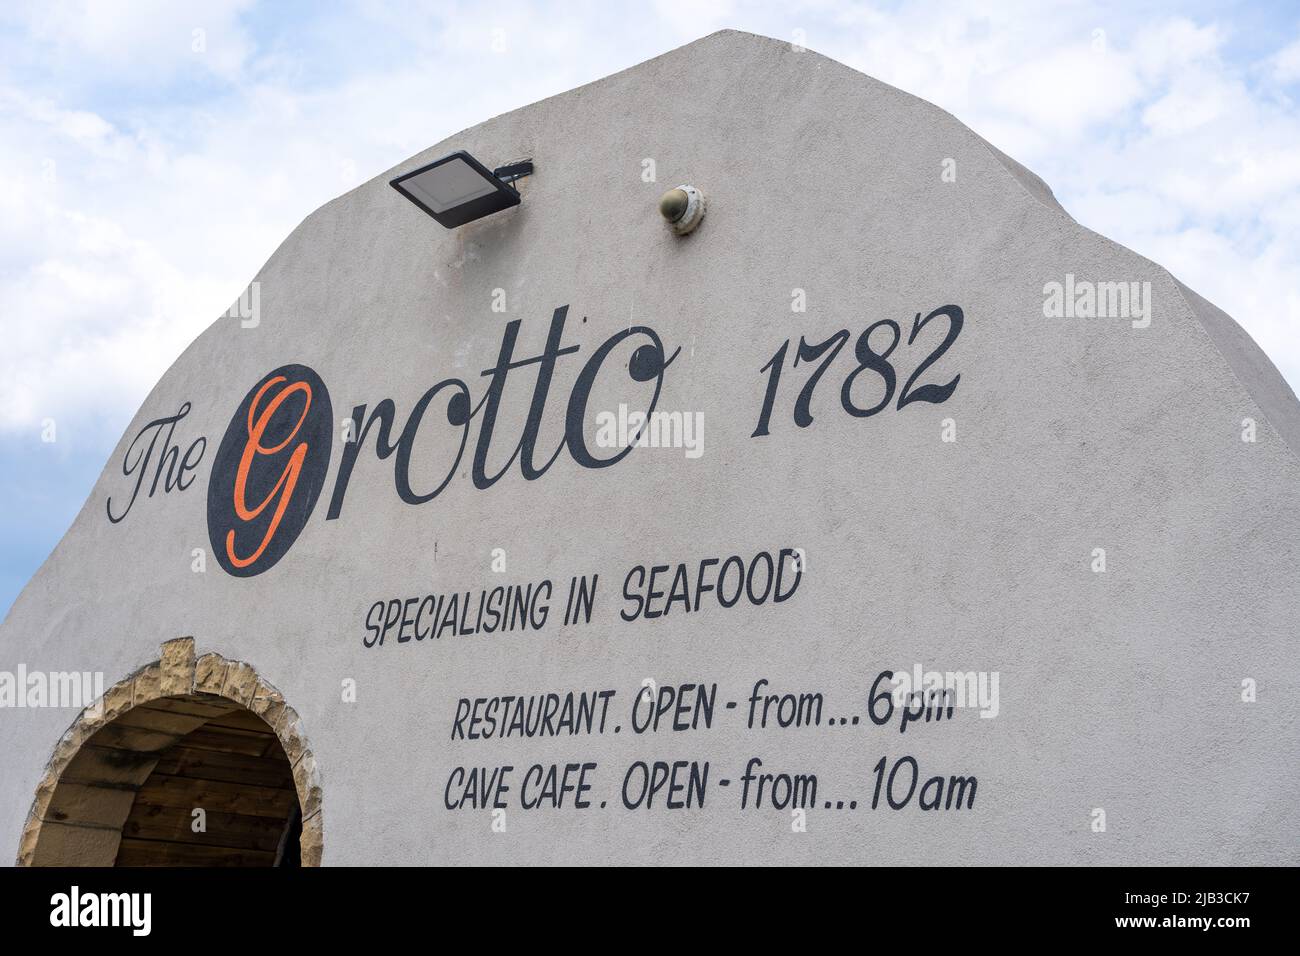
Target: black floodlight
[458,188]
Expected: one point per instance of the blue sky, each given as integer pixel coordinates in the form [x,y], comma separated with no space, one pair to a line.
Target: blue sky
[154,154]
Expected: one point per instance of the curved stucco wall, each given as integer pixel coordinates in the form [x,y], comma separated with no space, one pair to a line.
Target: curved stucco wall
[1119,691]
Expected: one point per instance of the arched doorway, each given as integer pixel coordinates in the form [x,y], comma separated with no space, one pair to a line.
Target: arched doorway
[186,762]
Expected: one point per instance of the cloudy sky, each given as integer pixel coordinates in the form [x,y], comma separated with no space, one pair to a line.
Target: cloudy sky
[154,154]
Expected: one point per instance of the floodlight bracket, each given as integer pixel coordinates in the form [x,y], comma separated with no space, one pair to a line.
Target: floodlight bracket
[512,171]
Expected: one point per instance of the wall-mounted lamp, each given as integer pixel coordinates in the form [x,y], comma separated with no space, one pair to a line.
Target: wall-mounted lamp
[683,208]
[458,188]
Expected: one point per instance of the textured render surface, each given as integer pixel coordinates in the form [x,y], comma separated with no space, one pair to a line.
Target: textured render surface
[1119,691]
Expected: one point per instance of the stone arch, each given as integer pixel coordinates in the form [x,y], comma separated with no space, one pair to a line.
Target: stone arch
[79,822]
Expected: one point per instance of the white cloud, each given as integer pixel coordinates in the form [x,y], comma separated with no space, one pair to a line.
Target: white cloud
[142,39]
[1286,63]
